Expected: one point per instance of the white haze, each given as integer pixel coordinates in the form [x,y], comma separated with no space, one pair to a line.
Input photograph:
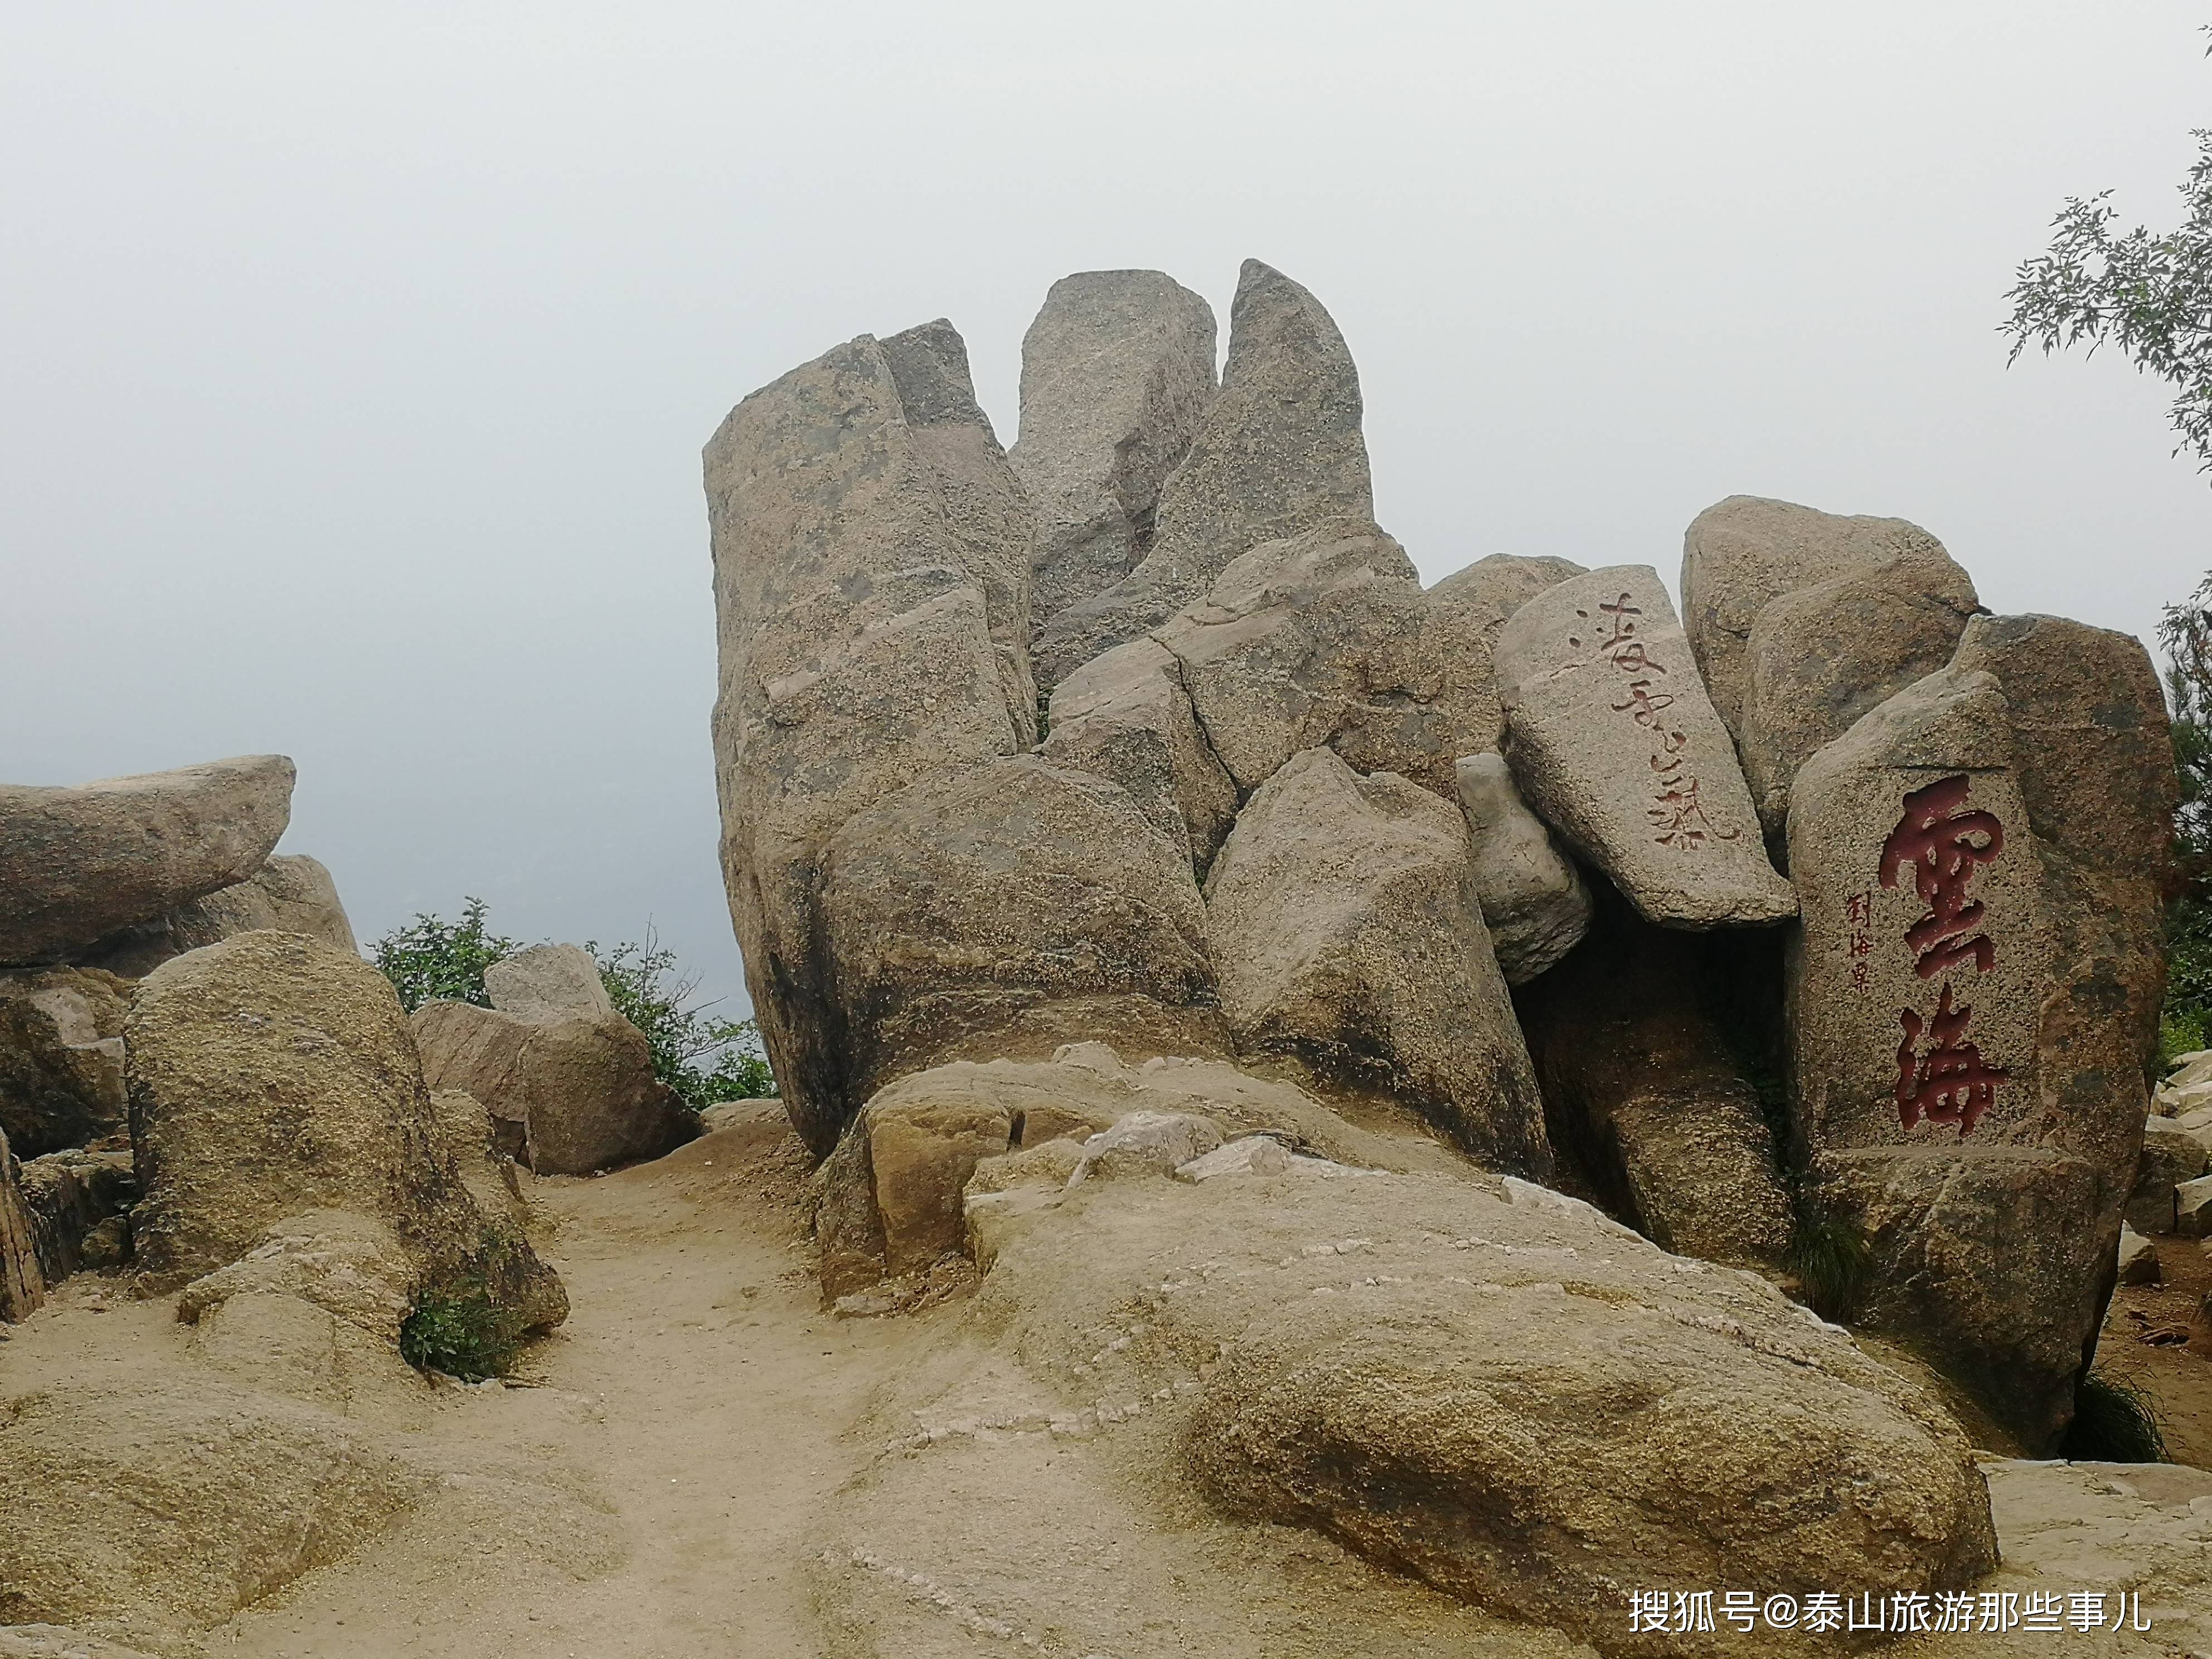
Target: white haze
[356,359]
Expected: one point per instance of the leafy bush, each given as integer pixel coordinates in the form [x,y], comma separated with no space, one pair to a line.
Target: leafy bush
[431,960]
[2115,1421]
[703,1058]
[461,1331]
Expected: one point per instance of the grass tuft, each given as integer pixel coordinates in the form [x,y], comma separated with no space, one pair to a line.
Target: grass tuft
[1832,1263]
[2115,1421]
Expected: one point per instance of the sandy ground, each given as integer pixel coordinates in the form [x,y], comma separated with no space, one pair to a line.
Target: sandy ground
[689,1426]
[2159,1337]
[696,1397]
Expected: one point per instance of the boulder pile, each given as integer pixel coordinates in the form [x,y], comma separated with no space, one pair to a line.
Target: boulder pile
[1829,906]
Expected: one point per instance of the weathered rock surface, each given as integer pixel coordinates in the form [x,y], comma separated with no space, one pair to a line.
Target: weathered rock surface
[61,1057]
[2170,1155]
[1557,1409]
[548,981]
[1615,743]
[1007,909]
[1279,451]
[70,1196]
[580,1087]
[1978,860]
[1146,1143]
[22,1283]
[2142,1532]
[272,1074]
[1125,717]
[2192,1208]
[290,893]
[872,622]
[889,1199]
[181,1506]
[1535,901]
[1117,371]
[76,864]
[58,1641]
[1644,1098]
[985,506]
[1348,933]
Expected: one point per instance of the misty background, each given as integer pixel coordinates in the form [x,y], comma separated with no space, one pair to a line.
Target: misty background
[355,362]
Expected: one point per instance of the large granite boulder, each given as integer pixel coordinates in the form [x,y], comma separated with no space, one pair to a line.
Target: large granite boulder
[1007,909]
[1646,1096]
[291,893]
[1615,743]
[1802,621]
[1535,901]
[1974,993]
[76,864]
[1117,371]
[61,1057]
[272,1074]
[1127,717]
[872,593]
[552,1061]
[1348,933]
[549,981]
[1278,451]
[1521,1410]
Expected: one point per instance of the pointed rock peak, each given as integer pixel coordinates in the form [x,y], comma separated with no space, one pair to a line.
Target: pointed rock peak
[929,365]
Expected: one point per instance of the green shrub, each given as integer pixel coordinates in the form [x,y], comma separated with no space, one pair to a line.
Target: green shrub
[1832,1262]
[703,1058]
[2115,1421]
[460,1331]
[431,960]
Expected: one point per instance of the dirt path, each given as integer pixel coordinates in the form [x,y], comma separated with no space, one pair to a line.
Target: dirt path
[697,1405]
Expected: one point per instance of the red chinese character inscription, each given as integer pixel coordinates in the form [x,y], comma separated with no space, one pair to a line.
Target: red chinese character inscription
[1945,842]
[1949,1083]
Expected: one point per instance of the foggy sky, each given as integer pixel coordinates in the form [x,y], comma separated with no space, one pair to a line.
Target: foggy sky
[355,361]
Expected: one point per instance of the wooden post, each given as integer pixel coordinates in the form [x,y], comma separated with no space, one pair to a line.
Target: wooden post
[22,1287]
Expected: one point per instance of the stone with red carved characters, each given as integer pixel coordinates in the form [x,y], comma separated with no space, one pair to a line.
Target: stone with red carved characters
[1972,992]
[1615,742]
